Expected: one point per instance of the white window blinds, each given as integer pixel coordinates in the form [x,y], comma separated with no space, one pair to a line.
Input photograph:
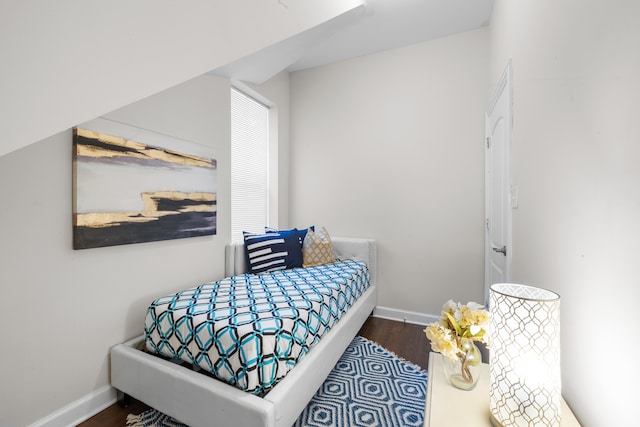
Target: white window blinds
[249,165]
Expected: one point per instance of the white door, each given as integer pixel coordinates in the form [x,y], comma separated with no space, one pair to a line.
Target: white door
[499,200]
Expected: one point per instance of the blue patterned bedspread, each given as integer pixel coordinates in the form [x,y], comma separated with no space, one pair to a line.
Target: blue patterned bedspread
[250,330]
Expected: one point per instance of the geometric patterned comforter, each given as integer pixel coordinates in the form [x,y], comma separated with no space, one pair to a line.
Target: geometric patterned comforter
[250,330]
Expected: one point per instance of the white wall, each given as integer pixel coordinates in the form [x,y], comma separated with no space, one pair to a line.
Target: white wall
[68,61]
[576,154]
[63,309]
[390,146]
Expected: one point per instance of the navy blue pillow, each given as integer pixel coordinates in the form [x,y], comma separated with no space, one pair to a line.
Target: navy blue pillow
[272,251]
[301,233]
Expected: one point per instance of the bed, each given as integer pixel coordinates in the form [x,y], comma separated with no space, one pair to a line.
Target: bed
[200,400]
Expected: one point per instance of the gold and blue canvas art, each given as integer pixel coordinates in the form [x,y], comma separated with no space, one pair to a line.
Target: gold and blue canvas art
[128,191]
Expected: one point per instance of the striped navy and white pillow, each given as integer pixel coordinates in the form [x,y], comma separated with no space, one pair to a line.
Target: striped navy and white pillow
[272,251]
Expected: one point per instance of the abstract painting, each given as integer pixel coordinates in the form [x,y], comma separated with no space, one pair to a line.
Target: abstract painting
[129,190]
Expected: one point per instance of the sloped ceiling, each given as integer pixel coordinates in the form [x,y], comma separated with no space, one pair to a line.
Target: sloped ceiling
[67,62]
[70,61]
[378,25]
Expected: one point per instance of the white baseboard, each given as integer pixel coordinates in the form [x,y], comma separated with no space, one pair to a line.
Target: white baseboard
[80,410]
[404,316]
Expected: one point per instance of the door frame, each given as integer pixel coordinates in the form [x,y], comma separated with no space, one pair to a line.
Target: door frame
[503,88]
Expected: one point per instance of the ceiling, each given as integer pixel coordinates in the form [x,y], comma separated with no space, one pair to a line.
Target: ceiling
[376,26]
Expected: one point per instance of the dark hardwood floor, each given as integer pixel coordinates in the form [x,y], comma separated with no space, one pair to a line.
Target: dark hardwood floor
[406,340]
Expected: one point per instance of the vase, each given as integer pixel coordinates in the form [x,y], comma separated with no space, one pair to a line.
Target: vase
[463,371]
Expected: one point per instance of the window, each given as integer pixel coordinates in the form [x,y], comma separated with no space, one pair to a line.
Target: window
[249,165]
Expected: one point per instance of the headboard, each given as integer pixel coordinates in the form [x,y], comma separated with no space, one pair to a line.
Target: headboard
[343,247]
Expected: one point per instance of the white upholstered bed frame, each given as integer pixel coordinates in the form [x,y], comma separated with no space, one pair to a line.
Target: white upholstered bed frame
[201,401]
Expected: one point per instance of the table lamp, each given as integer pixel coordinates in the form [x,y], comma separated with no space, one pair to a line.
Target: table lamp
[524,363]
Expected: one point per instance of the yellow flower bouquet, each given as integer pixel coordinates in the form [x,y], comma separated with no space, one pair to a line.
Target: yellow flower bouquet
[454,335]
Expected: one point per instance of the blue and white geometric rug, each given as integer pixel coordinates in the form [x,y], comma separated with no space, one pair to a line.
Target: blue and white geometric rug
[369,386]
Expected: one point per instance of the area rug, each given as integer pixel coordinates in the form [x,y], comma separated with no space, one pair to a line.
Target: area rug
[369,386]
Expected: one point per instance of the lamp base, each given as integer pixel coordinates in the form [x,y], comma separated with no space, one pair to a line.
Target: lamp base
[494,421]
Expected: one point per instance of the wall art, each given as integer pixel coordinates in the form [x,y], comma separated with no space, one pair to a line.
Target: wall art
[132,185]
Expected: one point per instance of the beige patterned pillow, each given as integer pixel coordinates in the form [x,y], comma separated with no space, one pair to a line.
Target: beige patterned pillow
[317,248]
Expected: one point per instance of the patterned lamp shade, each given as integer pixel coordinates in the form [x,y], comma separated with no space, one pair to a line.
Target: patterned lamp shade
[524,366]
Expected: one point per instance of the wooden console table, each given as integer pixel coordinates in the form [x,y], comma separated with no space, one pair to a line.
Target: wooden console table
[448,406]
